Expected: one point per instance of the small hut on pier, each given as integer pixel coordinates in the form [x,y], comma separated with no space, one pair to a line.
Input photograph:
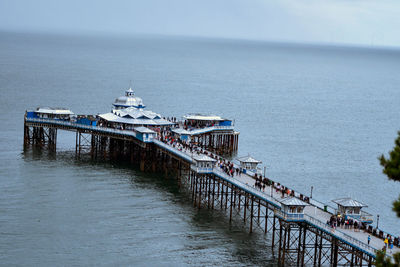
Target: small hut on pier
[204,164]
[352,208]
[145,134]
[249,163]
[293,208]
[181,133]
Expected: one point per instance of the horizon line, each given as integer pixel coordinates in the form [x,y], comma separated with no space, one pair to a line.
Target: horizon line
[197,37]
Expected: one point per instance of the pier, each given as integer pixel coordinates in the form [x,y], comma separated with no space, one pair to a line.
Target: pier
[195,152]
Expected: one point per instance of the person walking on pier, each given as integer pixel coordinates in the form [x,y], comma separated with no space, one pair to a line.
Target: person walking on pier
[369,239]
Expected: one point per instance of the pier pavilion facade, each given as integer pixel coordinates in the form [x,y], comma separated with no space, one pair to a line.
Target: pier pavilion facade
[131,117]
[209,132]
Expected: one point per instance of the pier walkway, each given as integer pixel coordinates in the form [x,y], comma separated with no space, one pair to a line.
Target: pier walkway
[313,214]
[316,214]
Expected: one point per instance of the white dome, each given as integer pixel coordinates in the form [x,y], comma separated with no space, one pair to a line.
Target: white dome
[129,100]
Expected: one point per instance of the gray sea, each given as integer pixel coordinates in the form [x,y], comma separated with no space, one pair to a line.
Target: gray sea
[315,115]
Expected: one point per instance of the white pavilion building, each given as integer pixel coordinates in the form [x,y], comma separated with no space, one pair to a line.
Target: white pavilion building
[129,113]
[128,100]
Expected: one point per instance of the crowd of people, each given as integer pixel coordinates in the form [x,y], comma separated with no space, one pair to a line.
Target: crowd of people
[184,146]
[187,124]
[226,166]
[345,223]
[261,183]
[388,243]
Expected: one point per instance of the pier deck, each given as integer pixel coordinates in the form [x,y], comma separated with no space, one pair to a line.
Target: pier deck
[313,214]
[331,244]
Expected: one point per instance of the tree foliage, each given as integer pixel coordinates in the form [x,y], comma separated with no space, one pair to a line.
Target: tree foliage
[383,261]
[391,167]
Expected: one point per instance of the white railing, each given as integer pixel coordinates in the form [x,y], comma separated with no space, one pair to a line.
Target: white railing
[327,228]
[173,150]
[85,127]
[343,236]
[366,217]
[246,187]
[202,169]
[209,129]
[322,206]
[289,216]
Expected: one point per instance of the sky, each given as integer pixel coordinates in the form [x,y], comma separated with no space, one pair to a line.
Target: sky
[354,22]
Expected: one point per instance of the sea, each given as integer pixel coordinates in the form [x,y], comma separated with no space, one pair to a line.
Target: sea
[315,115]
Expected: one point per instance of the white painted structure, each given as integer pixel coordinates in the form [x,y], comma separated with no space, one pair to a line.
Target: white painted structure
[349,207]
[54,113]
[128,100]
[249,163]
[203,163]
[134,117]
[145,134]
[293,208]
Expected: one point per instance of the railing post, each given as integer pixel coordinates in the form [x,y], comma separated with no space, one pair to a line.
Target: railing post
[266,218]
[230,213]
[200,185]
[251,213]
[273,232]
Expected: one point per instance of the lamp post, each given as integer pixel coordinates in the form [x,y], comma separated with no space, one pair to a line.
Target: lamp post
[377,221]
[312,187]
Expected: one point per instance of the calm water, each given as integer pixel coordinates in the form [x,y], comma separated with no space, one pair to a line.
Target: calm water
[314,115]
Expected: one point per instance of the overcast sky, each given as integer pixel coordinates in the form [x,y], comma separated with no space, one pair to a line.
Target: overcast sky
[360,22]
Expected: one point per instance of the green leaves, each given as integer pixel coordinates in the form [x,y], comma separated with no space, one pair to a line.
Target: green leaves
[391,166]
[396,207]
[383,261]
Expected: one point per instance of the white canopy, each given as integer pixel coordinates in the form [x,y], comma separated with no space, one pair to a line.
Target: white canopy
[55,111]
[202,117]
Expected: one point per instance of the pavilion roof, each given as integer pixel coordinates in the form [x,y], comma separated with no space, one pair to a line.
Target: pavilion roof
[203,157]
[135,116]
[142,129]
[180,131]
[293,201]
[248,159]
[348,202]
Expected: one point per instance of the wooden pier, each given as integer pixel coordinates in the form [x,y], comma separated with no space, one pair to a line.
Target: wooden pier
[303,239]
